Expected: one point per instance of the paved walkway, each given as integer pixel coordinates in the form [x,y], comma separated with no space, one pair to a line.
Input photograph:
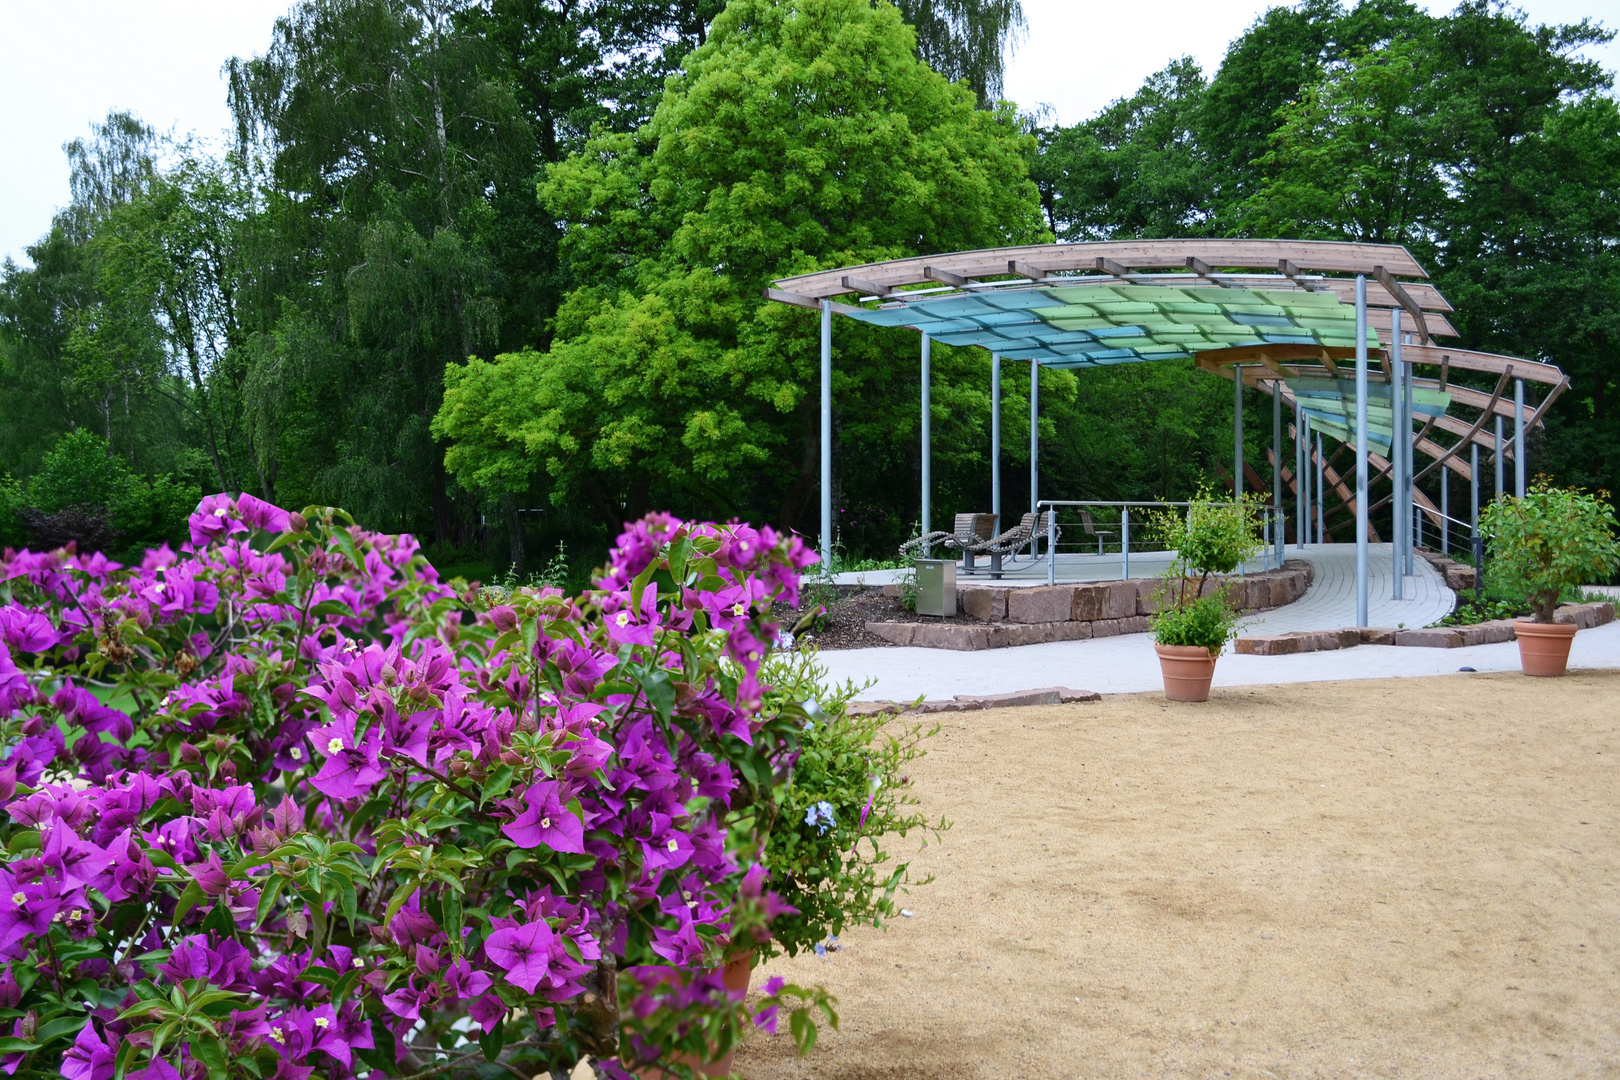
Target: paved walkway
[1071,567]
[1128,664]
[1331,601]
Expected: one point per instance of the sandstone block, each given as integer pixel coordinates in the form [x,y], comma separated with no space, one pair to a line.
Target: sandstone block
[1122,599]
[1090,602]
[1459,578]
[1135,624]
[1258,594]
[1268,645]
[1041,604]
[1377,635]
[1435,637]
[897,632]
[980,602]
[1047,696]
[959,638]
[1349,637]
[1069,696]
[1105,628]
[1146,590]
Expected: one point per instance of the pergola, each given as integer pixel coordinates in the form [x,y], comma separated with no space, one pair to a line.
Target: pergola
[1283,316]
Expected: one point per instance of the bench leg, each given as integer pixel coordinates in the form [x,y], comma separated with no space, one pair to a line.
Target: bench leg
[995,565]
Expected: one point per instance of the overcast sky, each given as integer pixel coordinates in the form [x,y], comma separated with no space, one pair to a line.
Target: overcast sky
[64,63]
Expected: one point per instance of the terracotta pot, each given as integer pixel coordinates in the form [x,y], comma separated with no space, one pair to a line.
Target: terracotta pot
[1543,647]
[1188,670]
[737,974]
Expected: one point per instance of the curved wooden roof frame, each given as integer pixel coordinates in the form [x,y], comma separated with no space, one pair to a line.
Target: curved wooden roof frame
[1314,265]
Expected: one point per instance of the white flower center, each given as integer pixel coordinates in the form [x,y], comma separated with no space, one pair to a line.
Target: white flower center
[275,1033]
[359,963]
[322,1022]
[334,746]
[739,609]
[545,823]
[623,618]
[296,754]
[19,898]
[673,844]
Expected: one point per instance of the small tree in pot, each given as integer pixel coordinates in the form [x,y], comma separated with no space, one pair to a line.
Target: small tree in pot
[1193,625]
[1549,541]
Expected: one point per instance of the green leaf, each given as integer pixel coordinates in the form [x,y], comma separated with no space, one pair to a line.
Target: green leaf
[267,898]
[189,898]
[498,783]
[24,840]
[212,1054]
[13,1045]
[62,1025]
[660,692]
[491,1042]
[332,607]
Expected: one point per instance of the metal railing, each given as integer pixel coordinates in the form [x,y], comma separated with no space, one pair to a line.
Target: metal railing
[1274,525]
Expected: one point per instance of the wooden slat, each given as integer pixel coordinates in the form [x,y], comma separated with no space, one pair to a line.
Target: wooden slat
[805,301]
[1468,360]
[1380,320]
[1427,296]
[1308,255]
[1406,301]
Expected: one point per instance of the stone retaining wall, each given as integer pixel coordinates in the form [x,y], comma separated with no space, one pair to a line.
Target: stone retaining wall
[1003,616]
[1459,576]
[1584,616]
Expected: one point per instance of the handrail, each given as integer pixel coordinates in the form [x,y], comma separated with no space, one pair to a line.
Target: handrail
[1275,522]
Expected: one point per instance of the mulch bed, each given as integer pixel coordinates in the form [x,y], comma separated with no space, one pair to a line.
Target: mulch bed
[849,609]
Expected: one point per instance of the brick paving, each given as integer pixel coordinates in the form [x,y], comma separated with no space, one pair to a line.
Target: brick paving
[1331,602]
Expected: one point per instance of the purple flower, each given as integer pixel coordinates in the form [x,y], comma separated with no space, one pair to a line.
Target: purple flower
[89,1058]
[157,1070]
[465,982]
[351,769]
[258,514]
[545,820]
[27,631]
[523,953]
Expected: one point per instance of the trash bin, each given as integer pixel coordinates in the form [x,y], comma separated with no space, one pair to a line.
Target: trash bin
[936,587]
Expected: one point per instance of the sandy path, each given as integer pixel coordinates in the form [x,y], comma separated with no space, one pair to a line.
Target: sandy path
[1412,877]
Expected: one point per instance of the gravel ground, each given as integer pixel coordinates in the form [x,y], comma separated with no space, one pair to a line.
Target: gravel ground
[1395,878]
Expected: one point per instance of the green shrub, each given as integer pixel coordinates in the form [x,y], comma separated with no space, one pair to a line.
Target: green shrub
[847,796]
[1216,536]
[1549,541]
[84,493]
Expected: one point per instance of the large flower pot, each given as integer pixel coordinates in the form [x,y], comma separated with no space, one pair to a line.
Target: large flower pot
[1543,647]
[736,975]
[1188,671]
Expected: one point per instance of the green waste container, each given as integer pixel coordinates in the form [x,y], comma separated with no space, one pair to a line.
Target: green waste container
[936,587]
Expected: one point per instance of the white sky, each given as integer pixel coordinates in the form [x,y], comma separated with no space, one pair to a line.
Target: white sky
[64,63]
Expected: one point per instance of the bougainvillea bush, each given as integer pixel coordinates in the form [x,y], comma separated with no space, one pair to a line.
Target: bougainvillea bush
[284,804]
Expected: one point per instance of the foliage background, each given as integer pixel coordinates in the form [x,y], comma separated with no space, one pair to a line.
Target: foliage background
[587,196]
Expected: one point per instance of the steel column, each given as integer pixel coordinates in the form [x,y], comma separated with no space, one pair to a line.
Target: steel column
[1034,438]
[1397,456]
[1445,510]
[1318,510]
[826,437]
[1361,450]
[1497,493]
[1301,459]
[1237,431]
[1279,520]
[1409,452]
[995,438]
[1473,489]
[927,434]
[1518,437]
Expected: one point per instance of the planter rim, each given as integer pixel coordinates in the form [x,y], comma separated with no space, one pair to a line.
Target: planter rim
[1185,650]
[1552,629]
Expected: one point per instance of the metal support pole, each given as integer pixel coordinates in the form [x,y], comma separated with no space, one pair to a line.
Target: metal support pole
[1051,546]
[1498,490]
[1518,437]
[1409,454]
[1278,518]
[1473,489]
[1301,457]
[927,438]
[1125,543]
[826,436]
[1445,510]
[1361,450]
[995,439]
[1237,431]
[1321,514]
[1397,454]
[1034,435]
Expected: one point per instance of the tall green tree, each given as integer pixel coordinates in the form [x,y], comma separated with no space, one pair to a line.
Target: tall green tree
[802,134]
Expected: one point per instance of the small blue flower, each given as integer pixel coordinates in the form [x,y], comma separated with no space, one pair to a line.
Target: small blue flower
[821,950]
[820,816]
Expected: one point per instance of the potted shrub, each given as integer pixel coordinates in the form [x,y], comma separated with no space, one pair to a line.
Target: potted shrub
[1551,540]
[1193,622]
